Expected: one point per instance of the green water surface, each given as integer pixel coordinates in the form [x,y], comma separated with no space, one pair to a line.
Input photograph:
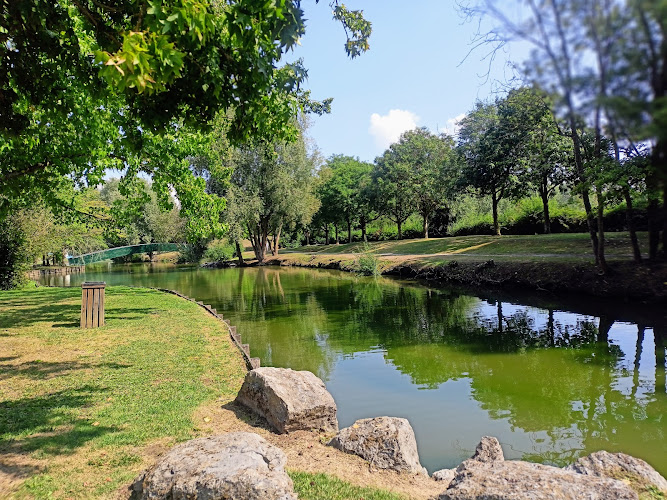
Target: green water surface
[552,385]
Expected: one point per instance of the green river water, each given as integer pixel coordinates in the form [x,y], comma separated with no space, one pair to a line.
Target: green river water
[552,381]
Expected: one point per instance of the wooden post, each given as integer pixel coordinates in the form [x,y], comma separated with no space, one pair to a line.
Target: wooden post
[92,304]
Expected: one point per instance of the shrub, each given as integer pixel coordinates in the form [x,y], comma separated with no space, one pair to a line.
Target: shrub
[366,262]
[219,250]
[192,253]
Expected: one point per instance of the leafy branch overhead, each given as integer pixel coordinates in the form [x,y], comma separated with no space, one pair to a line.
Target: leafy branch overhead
[87,86]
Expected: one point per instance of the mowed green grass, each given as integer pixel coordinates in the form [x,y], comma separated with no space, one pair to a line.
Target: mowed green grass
[324,487]
[82,412]
[78,407]
[575,246]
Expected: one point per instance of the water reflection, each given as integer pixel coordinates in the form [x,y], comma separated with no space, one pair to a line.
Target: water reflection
[551,384]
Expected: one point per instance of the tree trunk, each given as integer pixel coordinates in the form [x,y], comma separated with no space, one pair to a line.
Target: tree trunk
[239,253]
[425,224]
[307,238]
[263,237]
[363,230]
[631,224]
[44,260]
[253,241]
[336,230]
[603,329]
[349,231]
[590,220]
[399,223]
[600,257]
[326,235]
[500,317]
[544,194]
[276,241]
[652,212]
[258,246]
[496,224]
[567,83]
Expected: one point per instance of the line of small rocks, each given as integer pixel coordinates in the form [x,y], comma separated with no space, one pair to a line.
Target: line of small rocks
[234,335]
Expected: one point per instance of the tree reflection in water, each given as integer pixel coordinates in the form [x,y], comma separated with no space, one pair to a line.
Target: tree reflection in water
[557,384]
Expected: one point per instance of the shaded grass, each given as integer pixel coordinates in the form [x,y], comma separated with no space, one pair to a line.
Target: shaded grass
[78,407]
[322,486]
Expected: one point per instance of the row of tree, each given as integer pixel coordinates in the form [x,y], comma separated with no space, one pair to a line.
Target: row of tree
[89,86]
[598,124]
[605,64]
[509,148]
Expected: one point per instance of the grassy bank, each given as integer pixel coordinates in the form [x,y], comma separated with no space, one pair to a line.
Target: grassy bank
[574,247]
[557,263]
[80,407]
[82,412]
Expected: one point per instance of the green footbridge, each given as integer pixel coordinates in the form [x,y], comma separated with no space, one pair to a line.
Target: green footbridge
[112,253]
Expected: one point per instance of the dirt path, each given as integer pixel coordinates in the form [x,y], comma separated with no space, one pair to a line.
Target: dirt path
[307,451]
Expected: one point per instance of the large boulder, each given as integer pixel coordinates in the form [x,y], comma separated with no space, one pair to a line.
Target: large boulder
[289,400]
[239,465]
[516,480]
[386,442]
[620,466]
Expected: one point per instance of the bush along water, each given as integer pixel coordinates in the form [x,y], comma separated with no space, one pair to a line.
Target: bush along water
[219,251]
[366,262]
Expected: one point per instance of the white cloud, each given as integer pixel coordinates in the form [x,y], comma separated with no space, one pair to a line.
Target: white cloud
[453,126]
[386,129]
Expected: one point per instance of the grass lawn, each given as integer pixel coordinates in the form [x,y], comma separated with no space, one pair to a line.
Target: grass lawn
[322,486]
[82,412]
[78,407]
[572,246]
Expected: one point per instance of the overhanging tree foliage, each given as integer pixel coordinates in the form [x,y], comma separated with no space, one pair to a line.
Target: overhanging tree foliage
[87,85]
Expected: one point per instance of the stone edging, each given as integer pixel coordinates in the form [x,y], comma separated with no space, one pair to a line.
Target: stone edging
[244,349]
[35,274]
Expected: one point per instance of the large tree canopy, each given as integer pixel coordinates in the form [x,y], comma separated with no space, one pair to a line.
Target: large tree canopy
[86,86]
[343,193]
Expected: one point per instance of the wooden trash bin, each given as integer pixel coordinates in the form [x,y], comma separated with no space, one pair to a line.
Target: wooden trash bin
[92,304]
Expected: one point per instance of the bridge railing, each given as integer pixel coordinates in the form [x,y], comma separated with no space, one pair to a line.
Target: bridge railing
[112,253]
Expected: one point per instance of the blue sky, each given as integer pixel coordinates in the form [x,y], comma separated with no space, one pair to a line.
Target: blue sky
[414,74]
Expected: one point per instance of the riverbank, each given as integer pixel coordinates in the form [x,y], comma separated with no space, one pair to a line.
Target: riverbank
[560,265]
[84,411]
[627,281]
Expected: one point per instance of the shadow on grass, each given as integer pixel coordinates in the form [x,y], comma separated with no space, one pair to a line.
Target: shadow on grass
[40,313]
[46,423]
[66,315]
[46,369]
[16,471]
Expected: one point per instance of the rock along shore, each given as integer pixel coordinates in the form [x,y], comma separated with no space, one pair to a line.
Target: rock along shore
[244,466]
